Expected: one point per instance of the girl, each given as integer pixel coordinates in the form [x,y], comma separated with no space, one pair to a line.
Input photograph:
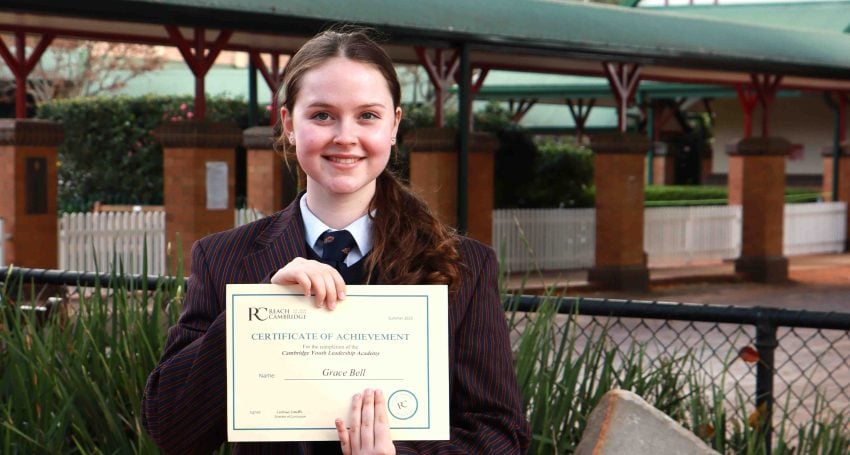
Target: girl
[341,111]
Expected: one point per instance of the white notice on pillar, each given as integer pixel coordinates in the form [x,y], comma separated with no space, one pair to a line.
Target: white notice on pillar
[216,185]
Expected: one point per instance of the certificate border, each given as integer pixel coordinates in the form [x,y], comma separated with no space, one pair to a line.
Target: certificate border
[285,294]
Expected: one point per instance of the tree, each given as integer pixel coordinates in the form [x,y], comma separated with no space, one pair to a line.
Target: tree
[72,68]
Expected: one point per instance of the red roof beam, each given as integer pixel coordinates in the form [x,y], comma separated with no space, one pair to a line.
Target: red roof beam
[520,108]
[199,59]
[21,66]
[441,73]
[580,114]
[623,79]
[273,77]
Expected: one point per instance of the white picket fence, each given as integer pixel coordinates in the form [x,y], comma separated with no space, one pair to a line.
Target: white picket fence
[545,239]
[100,241]
[685,235]
[97,241]
[814,228]
[526,239]
[555,239]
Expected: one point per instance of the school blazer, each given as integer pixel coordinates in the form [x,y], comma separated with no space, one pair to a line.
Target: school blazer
[184,403]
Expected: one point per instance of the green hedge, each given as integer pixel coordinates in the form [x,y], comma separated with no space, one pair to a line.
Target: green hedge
[684,195]
[110,154]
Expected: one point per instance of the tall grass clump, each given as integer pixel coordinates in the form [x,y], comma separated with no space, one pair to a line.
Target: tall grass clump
[73,383]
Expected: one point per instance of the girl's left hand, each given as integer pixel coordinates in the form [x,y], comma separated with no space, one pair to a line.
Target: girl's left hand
[369,430]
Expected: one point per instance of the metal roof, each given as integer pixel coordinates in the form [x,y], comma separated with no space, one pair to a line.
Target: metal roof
[816,16]
[532,35]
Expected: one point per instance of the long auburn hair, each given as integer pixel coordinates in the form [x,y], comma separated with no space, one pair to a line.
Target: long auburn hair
[409,244]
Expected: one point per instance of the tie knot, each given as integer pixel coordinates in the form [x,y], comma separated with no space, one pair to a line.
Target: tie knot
[336,245]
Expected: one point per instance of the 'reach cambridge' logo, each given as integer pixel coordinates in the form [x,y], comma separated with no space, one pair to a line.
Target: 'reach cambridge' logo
[261,313]
[403,404]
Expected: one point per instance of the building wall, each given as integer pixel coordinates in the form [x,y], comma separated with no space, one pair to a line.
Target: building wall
[805,120]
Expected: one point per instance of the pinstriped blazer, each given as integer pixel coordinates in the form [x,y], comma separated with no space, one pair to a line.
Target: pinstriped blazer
[184,408]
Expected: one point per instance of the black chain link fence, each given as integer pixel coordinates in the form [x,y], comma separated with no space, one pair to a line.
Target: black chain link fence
[794,363]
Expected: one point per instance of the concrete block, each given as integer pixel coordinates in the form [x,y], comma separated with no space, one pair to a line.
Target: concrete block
[623,423]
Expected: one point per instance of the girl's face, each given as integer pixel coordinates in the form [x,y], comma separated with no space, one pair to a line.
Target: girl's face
[342,123]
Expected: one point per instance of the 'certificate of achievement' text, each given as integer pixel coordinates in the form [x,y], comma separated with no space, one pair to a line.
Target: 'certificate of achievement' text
[292,368]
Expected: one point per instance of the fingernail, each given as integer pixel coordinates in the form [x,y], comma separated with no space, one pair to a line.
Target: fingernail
[331,306]
[379,393]
[341,295]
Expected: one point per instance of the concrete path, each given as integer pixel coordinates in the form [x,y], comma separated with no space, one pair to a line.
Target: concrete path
[817,282]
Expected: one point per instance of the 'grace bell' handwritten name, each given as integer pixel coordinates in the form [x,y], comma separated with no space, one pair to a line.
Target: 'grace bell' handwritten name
[325,336]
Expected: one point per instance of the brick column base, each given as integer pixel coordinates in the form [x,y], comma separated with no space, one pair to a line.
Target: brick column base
[271,183]
[433,175]
[619,160]
[843,180]
[28,192]
[193,154]
[757,183]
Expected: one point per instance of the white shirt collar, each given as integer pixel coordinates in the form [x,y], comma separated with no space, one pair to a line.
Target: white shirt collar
[360,229]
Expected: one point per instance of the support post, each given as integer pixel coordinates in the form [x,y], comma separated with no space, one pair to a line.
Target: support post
[757,183]
[434,176]
[199,181]
[619,160]
[28,185]
[272,184]
[652,132]
[765,344]
[252,94]
[465,109]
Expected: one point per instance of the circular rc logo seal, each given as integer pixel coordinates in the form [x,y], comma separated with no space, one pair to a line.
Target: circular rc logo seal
[402,404]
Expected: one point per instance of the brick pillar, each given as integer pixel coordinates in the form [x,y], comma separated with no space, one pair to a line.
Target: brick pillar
[619,160]
[663,162]
[843,179]
[757,183]
[271,183]
[28,185]
[195,153]
[433,175]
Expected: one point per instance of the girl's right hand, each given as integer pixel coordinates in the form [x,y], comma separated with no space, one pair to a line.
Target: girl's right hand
[315,277]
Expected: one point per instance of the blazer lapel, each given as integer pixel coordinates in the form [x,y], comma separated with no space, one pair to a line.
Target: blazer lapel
[278,244]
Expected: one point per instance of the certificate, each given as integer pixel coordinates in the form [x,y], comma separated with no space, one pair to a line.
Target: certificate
[292,368]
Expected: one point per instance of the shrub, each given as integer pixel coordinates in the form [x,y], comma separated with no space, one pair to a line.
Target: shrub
[110,154]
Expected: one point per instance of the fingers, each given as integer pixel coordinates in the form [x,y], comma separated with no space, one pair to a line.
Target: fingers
[344,440]
[367,420]
[322,280]
[382,427]
[354,416]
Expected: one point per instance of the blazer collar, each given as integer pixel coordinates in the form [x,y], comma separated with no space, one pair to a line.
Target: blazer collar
[280,242]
